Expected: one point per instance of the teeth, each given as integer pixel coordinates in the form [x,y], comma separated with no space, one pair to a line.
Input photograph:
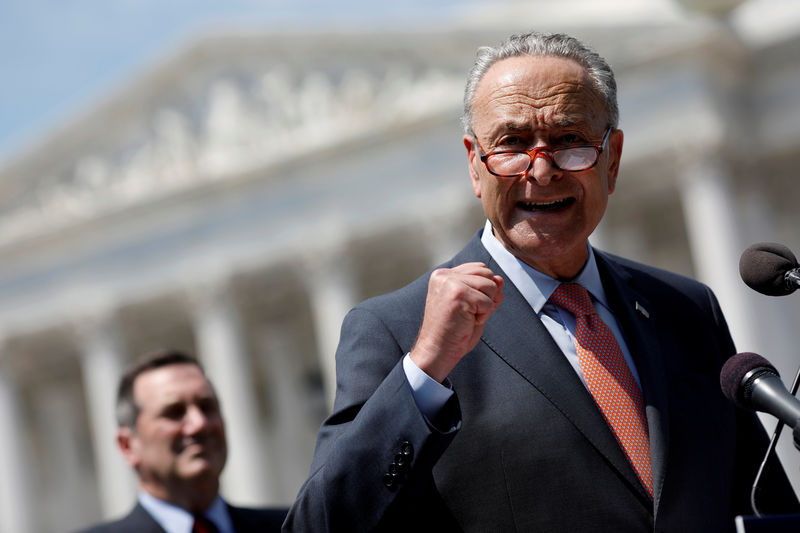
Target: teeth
[543,205]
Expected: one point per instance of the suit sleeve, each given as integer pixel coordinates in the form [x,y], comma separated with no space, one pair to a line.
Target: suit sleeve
[376,449]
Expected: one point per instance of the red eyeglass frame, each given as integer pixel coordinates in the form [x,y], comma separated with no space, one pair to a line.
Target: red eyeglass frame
[542,151]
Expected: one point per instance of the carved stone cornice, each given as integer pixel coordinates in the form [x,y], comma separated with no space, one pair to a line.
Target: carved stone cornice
[207,123]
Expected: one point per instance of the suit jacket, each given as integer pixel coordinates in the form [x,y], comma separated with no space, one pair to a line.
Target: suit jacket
[521,446]
[245,520]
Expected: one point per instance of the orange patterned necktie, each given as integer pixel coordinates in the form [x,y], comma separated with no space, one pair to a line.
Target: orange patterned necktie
[203,525]
[609,379]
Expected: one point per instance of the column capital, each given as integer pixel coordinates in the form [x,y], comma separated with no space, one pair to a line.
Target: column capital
[90,323]
[717,8]
[212,289]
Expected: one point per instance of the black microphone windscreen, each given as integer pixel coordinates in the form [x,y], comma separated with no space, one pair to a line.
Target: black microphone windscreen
[763,267]
[735,369]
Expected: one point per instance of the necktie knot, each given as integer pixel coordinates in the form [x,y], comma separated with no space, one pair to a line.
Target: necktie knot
[574,298]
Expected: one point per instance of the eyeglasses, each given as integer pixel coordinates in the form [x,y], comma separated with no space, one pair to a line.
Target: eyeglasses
[516,163]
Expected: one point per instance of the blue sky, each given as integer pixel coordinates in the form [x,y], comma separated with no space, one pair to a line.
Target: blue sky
[56,56]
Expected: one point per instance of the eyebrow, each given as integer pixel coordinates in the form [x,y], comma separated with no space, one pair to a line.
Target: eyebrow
[517,126]
[562,122]
[199,398]
[169,407]
[569,123]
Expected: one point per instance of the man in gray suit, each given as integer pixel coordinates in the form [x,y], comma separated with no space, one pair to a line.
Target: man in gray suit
[534,383]
[172,433]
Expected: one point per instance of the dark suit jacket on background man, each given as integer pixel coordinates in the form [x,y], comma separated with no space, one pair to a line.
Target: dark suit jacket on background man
[244,521]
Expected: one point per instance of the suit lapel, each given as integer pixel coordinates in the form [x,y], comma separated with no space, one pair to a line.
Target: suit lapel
[640,324]
[531,352]
[140,521]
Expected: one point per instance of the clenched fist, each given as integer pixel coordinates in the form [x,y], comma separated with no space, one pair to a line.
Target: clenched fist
[459,302]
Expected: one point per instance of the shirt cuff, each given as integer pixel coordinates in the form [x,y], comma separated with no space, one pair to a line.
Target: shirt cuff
[429,395]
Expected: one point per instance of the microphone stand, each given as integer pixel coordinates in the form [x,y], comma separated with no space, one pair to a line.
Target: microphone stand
[791,279]
[797,434]
[774,442]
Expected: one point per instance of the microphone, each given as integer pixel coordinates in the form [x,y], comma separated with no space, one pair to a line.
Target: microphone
[751,382]
[770,268]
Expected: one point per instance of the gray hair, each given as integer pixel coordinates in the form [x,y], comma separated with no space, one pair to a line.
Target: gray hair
[539,44]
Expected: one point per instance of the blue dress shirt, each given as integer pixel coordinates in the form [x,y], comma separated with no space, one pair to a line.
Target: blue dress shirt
[536,287]
[174,519]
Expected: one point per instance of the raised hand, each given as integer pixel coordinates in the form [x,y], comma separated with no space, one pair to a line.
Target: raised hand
[459,302]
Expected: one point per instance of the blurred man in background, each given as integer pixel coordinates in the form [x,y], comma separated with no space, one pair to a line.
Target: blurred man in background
[171,432]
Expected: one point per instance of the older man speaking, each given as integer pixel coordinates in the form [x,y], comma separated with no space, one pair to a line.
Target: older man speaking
[534,383]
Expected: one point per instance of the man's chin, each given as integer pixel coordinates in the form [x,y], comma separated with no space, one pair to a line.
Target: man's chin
[199,466]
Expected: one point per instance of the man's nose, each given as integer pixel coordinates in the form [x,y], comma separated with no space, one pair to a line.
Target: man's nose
[195,420]
[543,170]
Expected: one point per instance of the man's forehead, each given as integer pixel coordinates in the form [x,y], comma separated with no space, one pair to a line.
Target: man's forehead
[545,71]
[576,121]
[545,63]
[519,93]
[171,382]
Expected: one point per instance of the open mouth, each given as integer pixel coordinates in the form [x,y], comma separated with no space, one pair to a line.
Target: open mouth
[546,206]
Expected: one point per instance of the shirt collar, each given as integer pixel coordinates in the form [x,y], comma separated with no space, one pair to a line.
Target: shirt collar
[218,513]
[174,519]
[536,287]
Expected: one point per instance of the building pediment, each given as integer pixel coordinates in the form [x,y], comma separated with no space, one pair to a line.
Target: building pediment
[219,109]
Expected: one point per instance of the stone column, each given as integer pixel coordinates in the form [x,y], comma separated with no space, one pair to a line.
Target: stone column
[102,364]
[714,230]
[332,293]
[221,347]
[293,406]
[72,493]
[16,496]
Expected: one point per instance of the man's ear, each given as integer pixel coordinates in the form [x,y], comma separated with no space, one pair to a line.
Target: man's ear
[615,141]
[128,445]
[472,161]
